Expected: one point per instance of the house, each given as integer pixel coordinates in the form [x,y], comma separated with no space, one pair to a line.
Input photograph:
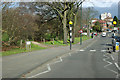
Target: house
[103,24]
[105,15]
[93,20]
[109,21]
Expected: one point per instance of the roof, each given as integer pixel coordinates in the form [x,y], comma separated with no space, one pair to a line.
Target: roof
[94,19]
[109,18]
[100,21]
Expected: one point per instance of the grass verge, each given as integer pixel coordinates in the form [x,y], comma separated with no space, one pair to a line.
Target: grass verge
[60,43]
[18,50]
[36,47]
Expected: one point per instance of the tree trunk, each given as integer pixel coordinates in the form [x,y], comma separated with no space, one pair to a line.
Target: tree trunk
[64,27]
[44,41]
[53,40]
[73,37]
[88,30]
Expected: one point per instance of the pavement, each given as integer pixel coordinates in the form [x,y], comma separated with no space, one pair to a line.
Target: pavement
[91,61]
[17,65]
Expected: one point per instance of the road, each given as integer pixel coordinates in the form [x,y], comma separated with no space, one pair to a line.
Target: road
[14,66]
[89,62]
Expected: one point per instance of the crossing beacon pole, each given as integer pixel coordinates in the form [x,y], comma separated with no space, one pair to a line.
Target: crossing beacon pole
[70,23]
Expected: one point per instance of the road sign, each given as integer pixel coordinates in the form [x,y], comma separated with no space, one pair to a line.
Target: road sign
[81,31]
[28,45]
[117,46]
[114,22]
[70,22]
[28,42]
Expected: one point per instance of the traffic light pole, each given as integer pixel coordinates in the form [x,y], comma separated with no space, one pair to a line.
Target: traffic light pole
[81,27]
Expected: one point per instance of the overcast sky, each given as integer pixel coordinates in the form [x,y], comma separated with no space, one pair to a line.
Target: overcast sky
[99,3]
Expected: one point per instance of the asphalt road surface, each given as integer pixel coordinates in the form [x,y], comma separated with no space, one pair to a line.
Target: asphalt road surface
[90,62]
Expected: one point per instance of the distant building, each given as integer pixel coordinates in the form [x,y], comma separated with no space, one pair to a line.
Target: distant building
[93,20]
[102,23]
[109,21]
[119,10]
[105,15]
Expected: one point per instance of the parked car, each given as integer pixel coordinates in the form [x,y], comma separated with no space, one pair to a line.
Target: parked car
[104,34]
[113,35]
[84,33]
[109,31]
[117,38]
[95,33]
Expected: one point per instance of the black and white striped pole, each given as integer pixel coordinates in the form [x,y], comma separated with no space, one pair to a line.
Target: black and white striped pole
[70,23]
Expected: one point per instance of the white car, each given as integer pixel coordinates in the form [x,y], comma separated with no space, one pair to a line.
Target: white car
[109,31]
[84,33]
[104,34]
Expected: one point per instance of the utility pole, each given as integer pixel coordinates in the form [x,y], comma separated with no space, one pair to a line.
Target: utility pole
[81,26]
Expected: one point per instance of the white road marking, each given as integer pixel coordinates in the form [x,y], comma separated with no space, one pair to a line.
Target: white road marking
[39,74]
[61,59]
[49,69]
[117,66]
[115,63]
[58,61]
[82,50]
[109,63]
[113,71]
[92,50]
[103,50]
[48,66]
[112,58]
[70,54]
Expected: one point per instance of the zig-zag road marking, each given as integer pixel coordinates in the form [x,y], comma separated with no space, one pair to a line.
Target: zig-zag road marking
[109,63]
[57,61]
[49,69]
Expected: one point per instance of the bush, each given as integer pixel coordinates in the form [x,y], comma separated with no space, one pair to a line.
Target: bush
[5,37]
[47,37]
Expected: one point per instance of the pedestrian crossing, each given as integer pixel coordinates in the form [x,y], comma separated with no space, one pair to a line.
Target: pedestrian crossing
[92,50]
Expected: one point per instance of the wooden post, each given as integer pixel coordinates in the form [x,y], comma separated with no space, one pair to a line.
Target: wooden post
[21,43]
[53,40]
[44,41]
